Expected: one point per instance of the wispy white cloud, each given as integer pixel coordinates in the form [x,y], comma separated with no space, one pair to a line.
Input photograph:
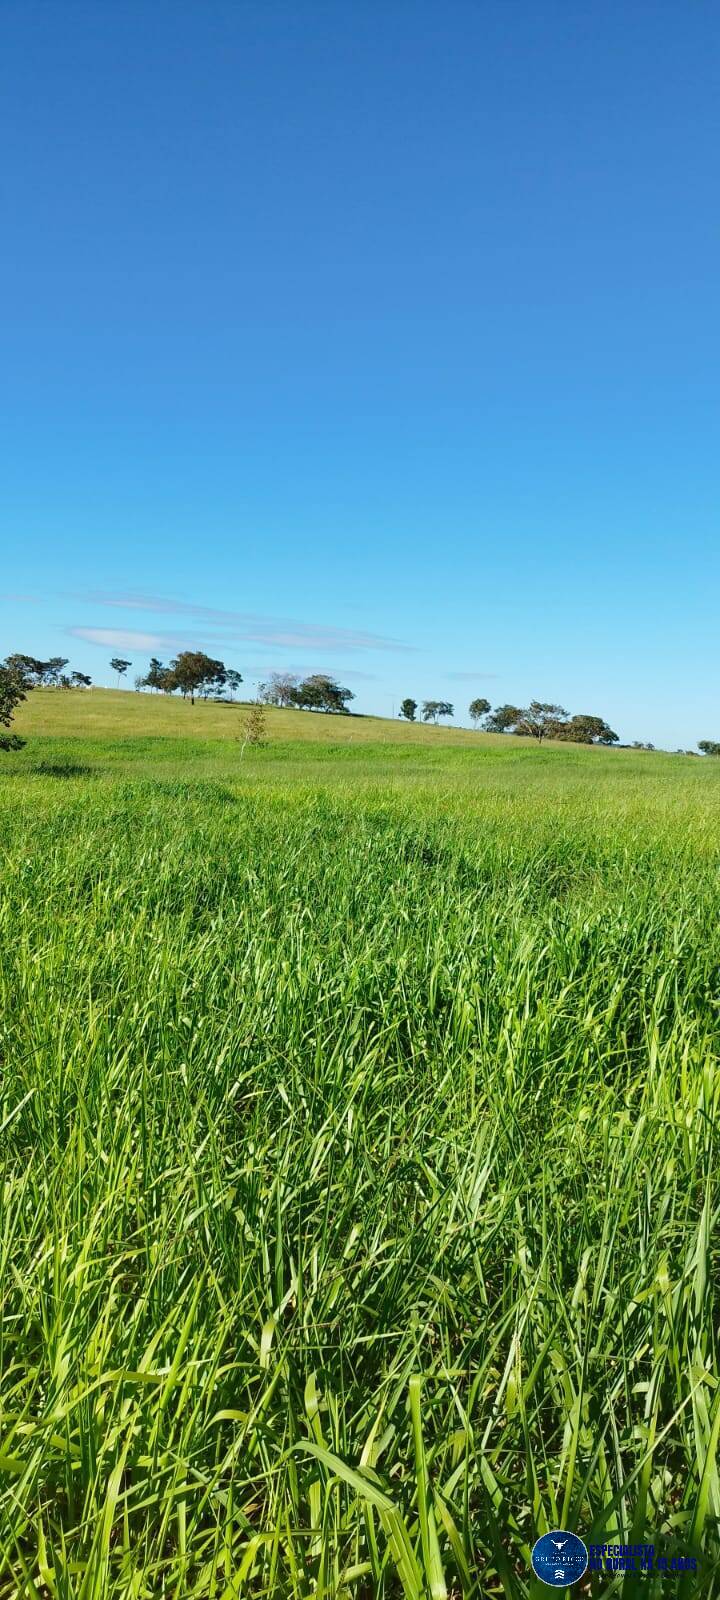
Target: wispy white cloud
[120,638]
[472,677]
[168,643]
[248,627]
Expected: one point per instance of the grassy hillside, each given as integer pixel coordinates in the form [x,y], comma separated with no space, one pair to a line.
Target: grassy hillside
[118,714]
[358,1143]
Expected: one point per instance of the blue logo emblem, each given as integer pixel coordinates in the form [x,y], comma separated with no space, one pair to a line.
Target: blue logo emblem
[559,1558]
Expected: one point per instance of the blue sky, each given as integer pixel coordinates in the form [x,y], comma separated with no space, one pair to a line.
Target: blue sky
[373,338]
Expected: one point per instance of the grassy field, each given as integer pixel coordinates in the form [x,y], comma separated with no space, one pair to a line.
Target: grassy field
[358,1144]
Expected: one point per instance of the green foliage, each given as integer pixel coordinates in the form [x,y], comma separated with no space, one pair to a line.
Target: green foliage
[432,709]
[14,686]
[503,719]
[585,729]
[541,720]
[157,675]
[358,1162]
[193,672]
[254,726]
[53,669]
[709,747]
[321,693]
[120,666]
[408,708]
[27,668]
[478,709]
[34,672]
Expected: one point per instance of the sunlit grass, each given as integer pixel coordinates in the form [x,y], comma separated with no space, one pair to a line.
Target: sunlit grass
[120,713]
[359,1179]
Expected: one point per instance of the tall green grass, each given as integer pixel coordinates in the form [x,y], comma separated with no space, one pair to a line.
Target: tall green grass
[359,1185]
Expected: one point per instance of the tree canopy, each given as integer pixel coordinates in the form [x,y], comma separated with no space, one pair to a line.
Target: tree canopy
[502,719]
[193,672]
[585,729]
[432,709]
[318,692]
[279,689]
[478,708]
[543,719]
[321,693]
[156,675]
[540,719]
[37,673]
[14,687]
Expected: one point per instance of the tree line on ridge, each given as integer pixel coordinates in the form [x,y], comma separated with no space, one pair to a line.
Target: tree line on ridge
[540,720]
[193,673]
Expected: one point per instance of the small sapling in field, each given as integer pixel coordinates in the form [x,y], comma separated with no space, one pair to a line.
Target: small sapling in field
[254,729]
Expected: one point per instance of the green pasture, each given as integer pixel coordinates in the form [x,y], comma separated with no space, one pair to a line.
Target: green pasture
[359,1170]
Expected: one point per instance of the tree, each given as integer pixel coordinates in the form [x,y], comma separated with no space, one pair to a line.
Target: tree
[279,690]
[541,720]
[432,709]
[234,680]
[120,667]
[407,709]
[709,747]
[478,708]
[584,729]
[192,671]
[80,680]
[52,670]
[318,692]
[14,687]
[215,680]
[502,719]
[156,674]
[253,727]
[321,693]
[28,667]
